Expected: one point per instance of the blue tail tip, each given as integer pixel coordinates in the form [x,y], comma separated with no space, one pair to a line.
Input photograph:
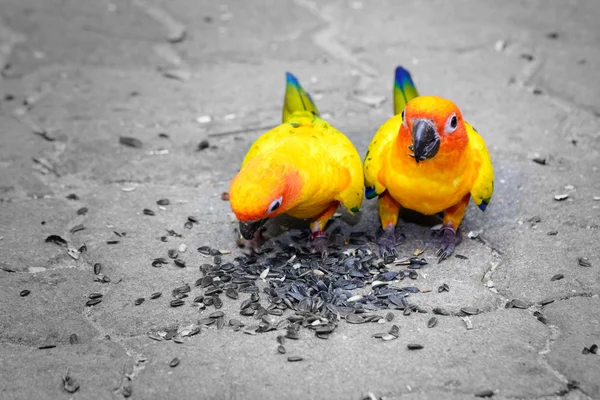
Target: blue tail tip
[370,193]
[291,79]
[402,75]
[483,205]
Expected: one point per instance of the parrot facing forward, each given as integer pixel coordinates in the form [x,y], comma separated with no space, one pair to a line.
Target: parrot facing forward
[426,158]
[304,168]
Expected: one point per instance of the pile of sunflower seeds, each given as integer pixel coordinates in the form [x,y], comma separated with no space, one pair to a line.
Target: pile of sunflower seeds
[349,284]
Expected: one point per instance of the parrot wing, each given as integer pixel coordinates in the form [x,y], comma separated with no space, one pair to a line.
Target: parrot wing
[377,155]
[483,187]
[296,99]
[404,89]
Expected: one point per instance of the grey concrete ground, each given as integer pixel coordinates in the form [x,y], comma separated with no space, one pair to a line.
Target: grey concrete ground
[89,71]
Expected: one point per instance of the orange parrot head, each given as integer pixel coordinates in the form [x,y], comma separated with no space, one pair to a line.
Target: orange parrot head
[263,189]
[434,125]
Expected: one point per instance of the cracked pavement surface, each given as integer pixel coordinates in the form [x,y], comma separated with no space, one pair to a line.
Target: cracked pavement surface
[78,74]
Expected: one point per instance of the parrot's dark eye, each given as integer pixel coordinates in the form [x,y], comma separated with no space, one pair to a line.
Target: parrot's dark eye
[451,124]
[402,115]
[275,204]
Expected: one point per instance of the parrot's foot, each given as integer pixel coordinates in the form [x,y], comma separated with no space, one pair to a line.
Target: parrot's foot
[448,239]
[387,243]
[319,243]
[253,244]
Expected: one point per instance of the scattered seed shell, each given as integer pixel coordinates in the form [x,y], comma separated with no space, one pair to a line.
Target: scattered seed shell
[414,346]
[584,262]
[294,358]
[174,362]
[484,393]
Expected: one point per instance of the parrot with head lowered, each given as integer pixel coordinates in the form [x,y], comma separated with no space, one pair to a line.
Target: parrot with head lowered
[426,158]
[304,168]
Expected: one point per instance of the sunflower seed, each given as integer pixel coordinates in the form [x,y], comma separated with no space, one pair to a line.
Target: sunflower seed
[557,277]
[139,301]
[470,310]
[93,302]
[414,346]
[432,322]
[594,349]
[163,202]
[484,393]
[440,311]
[394,330]
[281,349]
[561,197]
[388,337]
[77,228]
[389,316]
[179,263]
[355,319]
[56,240]
[204,250]
[74,339]
[95,295]
[584,262]
[217,302]
[231,293]
[176,303]
[220,323]
[155,295]
[188,225]
[24,293]
[443,288]
[516,303]
[82,211]
[148,211]
[130,142]
[174,362]
[216,314]
[172,253]
[46,347]
[192,219]
[247,312]
[294,358]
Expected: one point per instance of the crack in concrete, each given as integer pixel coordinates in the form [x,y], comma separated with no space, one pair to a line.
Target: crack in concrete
[555,334]
[325,38]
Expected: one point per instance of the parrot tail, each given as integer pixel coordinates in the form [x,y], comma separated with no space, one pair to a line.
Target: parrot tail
[370,192]
[404,89]
[296,99]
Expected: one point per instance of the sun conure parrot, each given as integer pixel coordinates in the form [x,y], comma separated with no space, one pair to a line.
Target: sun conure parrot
[304,168]
[426,158]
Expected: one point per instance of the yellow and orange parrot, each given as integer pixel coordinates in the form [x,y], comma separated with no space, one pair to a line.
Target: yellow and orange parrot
[426,158]
[304,168]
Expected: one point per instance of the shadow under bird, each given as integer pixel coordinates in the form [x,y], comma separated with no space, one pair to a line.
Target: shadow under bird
[304,168]
[426,158]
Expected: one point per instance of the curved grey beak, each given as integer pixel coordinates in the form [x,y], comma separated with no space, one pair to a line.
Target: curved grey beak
[249,228]
[426,141]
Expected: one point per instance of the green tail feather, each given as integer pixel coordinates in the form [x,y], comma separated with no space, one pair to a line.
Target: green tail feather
[404,89]
[296,99]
